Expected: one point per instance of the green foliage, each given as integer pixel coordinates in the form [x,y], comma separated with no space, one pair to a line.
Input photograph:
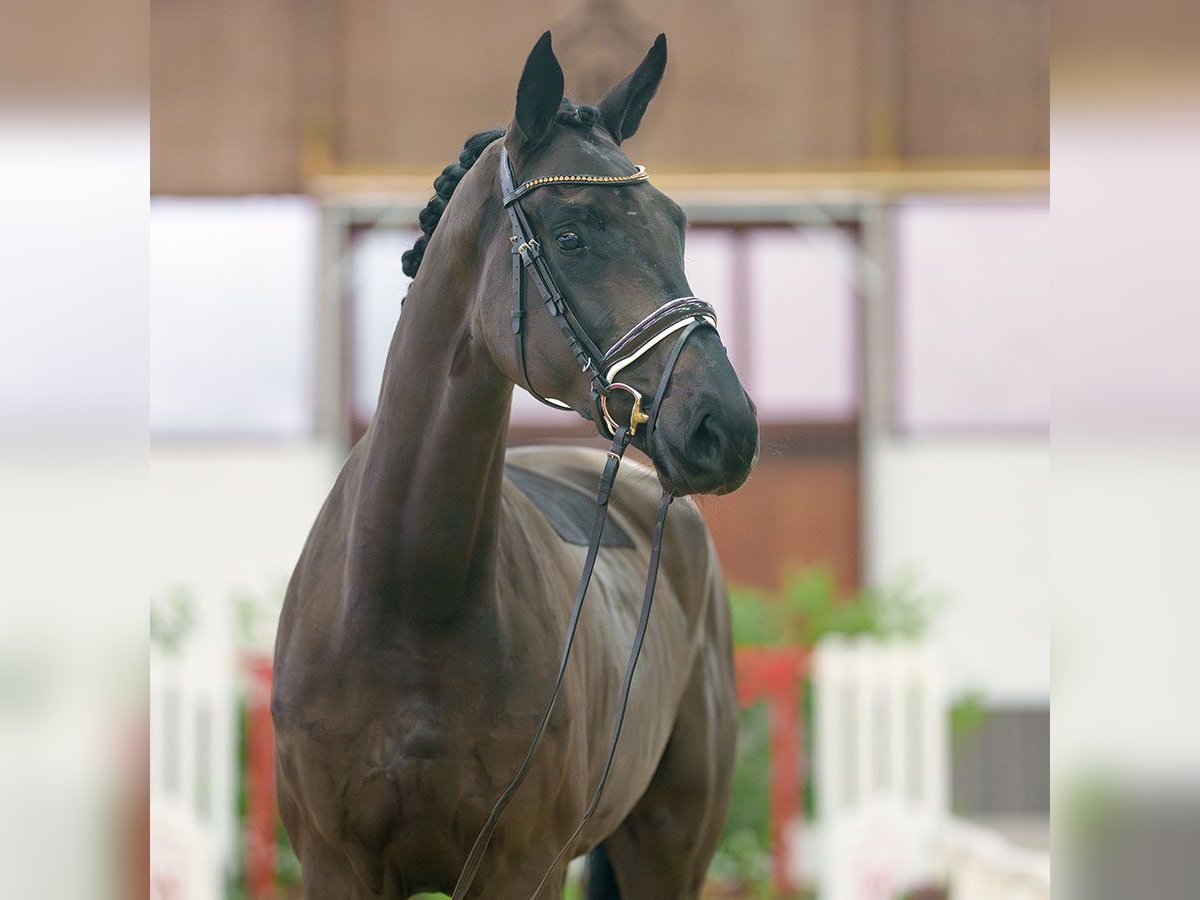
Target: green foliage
[741,856]
[807,608]
[172,619]
[1094,804]
[967,716]
[255,616]
[810,607]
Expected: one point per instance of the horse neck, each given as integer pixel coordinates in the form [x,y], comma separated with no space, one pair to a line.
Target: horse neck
[423,527]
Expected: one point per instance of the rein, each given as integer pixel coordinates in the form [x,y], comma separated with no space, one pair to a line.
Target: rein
[681,316]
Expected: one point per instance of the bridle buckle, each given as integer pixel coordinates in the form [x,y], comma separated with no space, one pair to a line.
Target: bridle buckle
[528,249]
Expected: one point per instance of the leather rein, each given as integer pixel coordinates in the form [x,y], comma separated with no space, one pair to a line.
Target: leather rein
[682,317]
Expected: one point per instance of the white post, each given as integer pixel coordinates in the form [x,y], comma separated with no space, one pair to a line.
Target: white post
[880,722]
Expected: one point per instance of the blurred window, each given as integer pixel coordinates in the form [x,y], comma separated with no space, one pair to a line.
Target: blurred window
[972,316]
[709,259]
[231,316]
[73,259]
[378,287]
[803,324]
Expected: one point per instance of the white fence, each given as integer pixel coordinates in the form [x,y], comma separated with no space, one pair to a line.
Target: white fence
[881,771]
[881,767]
[193,765]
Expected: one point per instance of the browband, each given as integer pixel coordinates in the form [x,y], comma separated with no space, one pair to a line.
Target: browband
[639,174]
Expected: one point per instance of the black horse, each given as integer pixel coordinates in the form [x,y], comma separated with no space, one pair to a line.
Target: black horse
[424,620]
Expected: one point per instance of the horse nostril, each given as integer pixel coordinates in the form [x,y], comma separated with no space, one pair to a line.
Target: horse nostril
[705,445]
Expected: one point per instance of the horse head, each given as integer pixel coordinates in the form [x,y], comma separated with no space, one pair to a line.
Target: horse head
[613,246]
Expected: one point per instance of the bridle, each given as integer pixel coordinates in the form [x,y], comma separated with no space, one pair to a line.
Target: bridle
[682,317]
[528,258]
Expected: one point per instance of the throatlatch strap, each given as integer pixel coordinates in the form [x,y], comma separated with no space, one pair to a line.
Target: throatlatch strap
[527,257]
[518,327]
[603,492]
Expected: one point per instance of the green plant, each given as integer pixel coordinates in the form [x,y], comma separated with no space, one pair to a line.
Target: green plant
[967,715]
[742,855]
[255,616]
[172,619]
[810,606]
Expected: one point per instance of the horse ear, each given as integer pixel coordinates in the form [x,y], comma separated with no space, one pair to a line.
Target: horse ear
[539,93]
[622,108]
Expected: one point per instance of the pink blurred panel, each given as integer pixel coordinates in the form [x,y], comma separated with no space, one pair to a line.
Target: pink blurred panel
[231,300]
[803,324]
[1126,310]
[708,263]
[379,287]
[972,315]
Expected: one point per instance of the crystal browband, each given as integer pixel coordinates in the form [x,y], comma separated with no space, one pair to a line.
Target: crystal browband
[525,187]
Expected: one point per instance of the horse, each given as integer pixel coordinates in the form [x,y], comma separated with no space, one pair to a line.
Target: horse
[421,628]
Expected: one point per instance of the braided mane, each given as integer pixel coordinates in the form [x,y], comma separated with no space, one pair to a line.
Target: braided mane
[443,187]
[444,184]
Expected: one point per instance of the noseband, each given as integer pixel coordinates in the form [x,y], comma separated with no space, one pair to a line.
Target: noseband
[681,316]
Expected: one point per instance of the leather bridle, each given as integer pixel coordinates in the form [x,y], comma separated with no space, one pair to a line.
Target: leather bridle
[682,317]
[528,258]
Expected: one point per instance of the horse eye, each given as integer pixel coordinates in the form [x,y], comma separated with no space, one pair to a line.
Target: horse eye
[569,241]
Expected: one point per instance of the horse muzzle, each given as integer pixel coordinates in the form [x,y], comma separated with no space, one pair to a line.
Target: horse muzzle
[708,446]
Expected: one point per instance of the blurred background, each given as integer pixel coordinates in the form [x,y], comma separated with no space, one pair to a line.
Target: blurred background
[868,189]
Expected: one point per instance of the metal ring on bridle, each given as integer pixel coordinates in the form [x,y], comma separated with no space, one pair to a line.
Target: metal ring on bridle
[636,415]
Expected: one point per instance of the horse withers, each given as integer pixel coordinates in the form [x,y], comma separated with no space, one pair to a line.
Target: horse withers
[422,628]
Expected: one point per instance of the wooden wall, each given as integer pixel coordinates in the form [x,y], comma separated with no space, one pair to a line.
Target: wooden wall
[226,103]
[798,508]
[976,79]
[246,95]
